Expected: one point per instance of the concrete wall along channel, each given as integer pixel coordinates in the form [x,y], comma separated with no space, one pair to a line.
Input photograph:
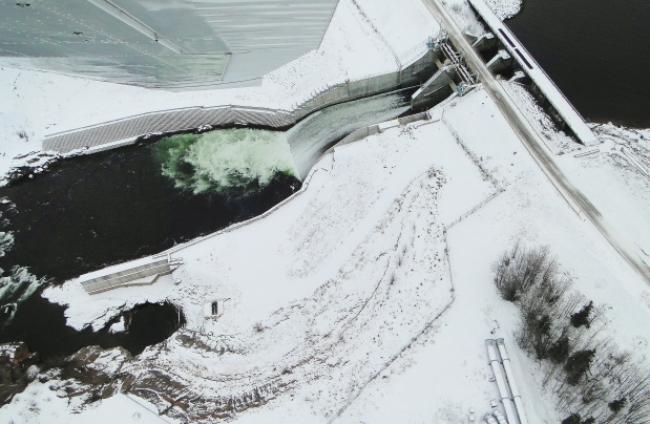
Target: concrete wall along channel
[128,130]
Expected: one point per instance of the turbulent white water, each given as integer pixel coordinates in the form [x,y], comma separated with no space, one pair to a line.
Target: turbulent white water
[244,160]
[15,288]
[225,160]
[6,242]
[17,283]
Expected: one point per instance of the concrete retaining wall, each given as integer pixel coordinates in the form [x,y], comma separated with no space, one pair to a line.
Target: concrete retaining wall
[133,127]
[127,277]
[122,131]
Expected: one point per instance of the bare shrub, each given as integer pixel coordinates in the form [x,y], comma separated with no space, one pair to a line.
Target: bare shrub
[520,269]
[535,334]
[531,278]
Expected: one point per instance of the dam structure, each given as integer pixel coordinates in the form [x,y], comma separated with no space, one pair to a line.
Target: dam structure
[128,130]
[180,44]
[562,106]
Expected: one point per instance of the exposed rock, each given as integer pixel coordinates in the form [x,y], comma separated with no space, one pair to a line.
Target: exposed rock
[92,372]
[16,369]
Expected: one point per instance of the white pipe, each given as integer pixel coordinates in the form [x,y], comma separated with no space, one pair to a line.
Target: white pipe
[502,384]
[516,396]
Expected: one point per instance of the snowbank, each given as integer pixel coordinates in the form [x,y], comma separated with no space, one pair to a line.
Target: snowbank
[38,403]
[405,34]
[505,9]
[558,141]
[616,178]
[465,16]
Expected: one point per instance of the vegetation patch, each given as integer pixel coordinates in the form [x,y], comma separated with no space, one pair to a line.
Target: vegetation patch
[594,381]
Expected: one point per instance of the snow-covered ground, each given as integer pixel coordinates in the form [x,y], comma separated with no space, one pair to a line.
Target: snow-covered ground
[38,404]
[467,20]
[368,297]
[362,40]
[614,175]
[443,374]
[559,142]
[505,9]
[616,179]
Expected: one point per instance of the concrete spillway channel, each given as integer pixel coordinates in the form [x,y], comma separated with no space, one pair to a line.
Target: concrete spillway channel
[130,129]
[505,380]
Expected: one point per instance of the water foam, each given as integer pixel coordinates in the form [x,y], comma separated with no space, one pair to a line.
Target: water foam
[6,242]
[17,283]
[225,161]
[15,288]
[248,159]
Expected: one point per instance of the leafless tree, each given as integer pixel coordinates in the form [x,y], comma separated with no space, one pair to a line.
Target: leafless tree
[594,381]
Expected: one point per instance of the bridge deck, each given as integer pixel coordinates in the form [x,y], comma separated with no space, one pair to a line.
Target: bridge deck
[566,110]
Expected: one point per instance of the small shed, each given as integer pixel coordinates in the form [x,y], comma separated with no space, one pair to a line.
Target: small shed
[214,308]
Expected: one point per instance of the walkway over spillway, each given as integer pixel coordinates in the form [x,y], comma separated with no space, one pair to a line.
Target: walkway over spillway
[555,97]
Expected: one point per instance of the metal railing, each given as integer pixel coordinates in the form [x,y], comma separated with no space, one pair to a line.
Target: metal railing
[456,59]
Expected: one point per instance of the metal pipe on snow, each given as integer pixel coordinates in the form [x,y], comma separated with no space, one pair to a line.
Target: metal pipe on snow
[516,396]
[502,383]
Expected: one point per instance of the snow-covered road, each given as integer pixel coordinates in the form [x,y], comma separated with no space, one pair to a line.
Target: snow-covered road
[537,148]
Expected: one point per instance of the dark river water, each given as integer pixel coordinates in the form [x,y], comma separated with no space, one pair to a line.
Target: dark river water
[42,326]
[596,51]
[92,211]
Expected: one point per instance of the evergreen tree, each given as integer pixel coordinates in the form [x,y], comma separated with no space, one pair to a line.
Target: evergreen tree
[577,365]
[581,318]
[572,419]
[617,405]
[559,351]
